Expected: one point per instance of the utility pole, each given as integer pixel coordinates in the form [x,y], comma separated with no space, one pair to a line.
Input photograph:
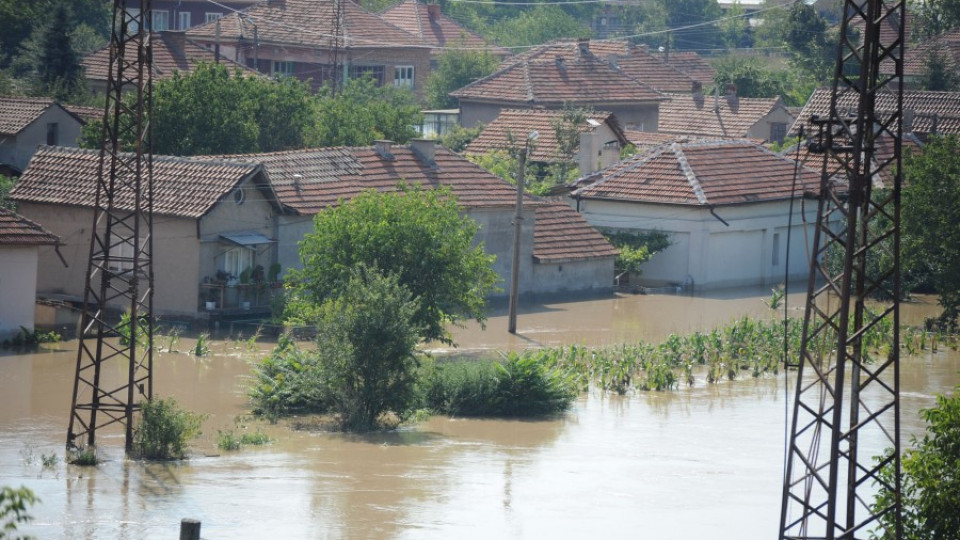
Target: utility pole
[110,371]
[847,390]
[517,225]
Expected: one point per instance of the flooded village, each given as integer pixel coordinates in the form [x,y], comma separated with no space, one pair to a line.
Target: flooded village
[453,269]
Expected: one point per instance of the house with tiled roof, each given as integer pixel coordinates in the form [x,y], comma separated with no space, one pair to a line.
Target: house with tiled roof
[213,221]
[173,53]
[925,113]
[26,123]
[559,250]
[557,74]
[728,116]
[428,22]
[319,40]
[724,205]
[184,14]
[601,137]
[689,62]
[20,243]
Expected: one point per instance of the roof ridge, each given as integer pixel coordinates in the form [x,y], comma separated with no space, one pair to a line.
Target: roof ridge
[688,172]
[527,83]
[633,163]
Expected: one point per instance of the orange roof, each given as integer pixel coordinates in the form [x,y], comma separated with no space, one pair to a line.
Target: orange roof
[700,174]
[183,187]
[544,78]
[562,234]
[308,23]
[17,230]
[520,122]
[172,51]
[428,22]
[729,117]
[688,62]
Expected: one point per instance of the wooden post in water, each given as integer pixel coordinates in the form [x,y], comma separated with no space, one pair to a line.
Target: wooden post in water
[189,529]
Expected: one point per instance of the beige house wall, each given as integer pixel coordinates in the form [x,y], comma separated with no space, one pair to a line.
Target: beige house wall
[18,285]
[254,214]
[639,116]
[761,130]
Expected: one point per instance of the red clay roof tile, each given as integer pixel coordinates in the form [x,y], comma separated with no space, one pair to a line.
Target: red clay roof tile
[933,112]
[17,113]
[17,230]
[562,234]
[729,117]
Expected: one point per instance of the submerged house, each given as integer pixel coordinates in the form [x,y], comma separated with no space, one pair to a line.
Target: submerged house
[559,250]
[213,221]
[724,205]
[21,241]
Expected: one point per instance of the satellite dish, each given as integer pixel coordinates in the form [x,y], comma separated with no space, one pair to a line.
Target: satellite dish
[660,48]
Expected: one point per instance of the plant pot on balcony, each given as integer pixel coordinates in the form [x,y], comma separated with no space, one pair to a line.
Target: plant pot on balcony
[210,305]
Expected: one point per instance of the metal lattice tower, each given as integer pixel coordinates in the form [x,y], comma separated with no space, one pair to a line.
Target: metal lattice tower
[112,374]
[848,390]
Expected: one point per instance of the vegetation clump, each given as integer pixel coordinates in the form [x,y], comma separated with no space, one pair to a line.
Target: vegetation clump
[28,338]
[14,503]
[930,488]
[83,456]
[164,429]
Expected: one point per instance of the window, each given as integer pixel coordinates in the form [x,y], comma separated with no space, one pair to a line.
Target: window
[212,16]
[133,19]
[121,253]
[53,134]
[184,20]
[374,72]
[776,249]
[282,68]
[778,131]
[161,20]
[236,260]
[403,76]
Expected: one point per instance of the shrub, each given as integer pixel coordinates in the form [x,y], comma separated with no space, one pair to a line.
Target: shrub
[85,456]
[164,430]
[13,509]
[27,338]
[288,381]
[520,386]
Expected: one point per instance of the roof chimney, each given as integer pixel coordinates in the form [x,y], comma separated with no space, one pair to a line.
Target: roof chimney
[731,90]
[382,148]
[425,150]
[732,99]
[560,63]
[434,11]
[696,88]
[583,45]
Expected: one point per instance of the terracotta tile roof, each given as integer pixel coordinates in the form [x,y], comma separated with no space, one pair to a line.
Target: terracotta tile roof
[933,112]
[86,114]
[632,60]
[17,230]
[17,113]
[700,174]
[688,62]
[646,140]
[561,234]
[428,23]
[308,23]
[182,187]
[690,115]
[520,122]
[172,51]
[327,175]
[915,57]
[555,74]
[884,153]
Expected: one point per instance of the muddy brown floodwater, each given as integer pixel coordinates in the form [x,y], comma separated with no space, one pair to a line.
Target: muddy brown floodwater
[698,462]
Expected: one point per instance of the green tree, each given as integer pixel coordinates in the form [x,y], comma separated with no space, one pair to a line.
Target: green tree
[459,137]
[933,17]
[361,112]
[214,111]
[939,73]
[13,509]
[566,130]
[930,479]
[6,184]
[366,342]
[735,28]
[681,14]
[415,234]
[58,65]
[635,248]
[929,218]
[538,25]
[757,77]
[456,68]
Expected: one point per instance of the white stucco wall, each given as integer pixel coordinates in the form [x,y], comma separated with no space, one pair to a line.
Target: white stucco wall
[18,284]
[641,117]
[17,151]
[573,276]
[708,252]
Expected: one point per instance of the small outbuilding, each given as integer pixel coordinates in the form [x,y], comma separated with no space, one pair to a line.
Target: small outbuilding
[20,243]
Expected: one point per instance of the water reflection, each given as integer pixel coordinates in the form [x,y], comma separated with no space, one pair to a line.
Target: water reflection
[701,461]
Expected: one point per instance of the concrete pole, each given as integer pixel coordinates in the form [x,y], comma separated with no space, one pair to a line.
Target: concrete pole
[517,224]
